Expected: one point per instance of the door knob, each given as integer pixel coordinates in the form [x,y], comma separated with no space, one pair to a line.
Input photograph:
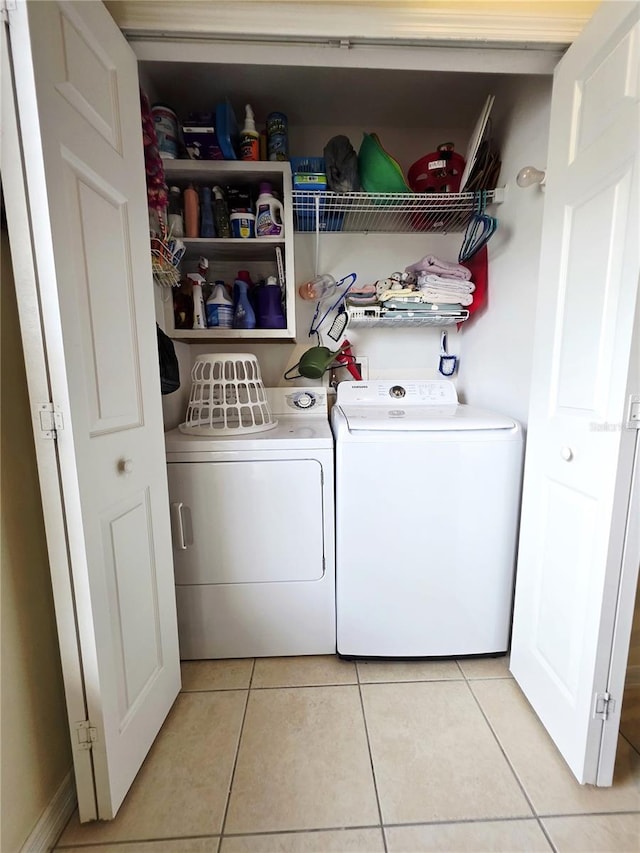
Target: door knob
[125,466]
[566,453]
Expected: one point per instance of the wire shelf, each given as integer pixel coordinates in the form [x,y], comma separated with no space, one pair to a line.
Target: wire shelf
[368,317]
[399,213]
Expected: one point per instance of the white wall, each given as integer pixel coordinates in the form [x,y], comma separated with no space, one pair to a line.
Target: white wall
[497,346]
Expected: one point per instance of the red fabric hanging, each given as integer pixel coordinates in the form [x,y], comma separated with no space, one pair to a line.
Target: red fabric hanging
[478,266]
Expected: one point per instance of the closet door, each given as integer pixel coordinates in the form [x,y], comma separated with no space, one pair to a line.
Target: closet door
[77,97]
[580,544]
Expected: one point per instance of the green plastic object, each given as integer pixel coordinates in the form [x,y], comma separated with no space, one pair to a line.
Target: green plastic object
[379,172]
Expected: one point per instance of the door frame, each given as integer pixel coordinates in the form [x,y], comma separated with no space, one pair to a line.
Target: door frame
[617,663]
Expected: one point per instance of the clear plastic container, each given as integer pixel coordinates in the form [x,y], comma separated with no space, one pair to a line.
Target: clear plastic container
[318,287]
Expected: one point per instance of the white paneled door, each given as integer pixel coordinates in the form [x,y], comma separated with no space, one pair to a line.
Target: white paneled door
[579,546]
[78,106]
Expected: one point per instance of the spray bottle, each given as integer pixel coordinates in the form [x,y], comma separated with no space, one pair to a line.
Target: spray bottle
[249,138]
[199,316]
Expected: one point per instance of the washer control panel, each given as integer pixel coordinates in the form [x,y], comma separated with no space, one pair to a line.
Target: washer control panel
[417,392]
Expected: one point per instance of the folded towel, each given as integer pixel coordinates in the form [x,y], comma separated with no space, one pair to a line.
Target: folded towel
[394,294]
[449,285]
[362,288]
[433,295]
[434,265]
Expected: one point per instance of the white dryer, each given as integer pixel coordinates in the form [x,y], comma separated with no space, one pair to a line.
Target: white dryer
[427,508]
[253,533]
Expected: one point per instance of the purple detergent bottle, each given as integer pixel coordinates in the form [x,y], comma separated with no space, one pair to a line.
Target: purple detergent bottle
[269,305]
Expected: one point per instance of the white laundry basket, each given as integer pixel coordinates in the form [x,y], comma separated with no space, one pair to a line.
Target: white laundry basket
[227,396]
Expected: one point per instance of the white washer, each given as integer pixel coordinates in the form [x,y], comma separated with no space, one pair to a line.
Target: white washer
[253,532]
[427,507]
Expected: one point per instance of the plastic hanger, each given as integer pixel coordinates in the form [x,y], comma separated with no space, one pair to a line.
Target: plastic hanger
[314,328]
[480,230]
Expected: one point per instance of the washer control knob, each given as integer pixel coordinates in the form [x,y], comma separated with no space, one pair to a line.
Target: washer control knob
[566,453]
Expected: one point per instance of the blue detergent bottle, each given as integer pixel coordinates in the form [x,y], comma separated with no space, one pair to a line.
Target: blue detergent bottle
[243,314]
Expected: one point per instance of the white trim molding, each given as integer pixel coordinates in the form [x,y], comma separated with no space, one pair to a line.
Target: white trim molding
[53,819]
[506,22]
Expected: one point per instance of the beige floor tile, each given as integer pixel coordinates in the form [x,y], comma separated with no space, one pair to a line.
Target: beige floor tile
[540,767]
[485,667]
[181,789]
[309,671]
[630,718]
[504,836]
[434,756]
[373,671]
[216,674]
[175,845]
[613,833]
[337,841]
[303,762]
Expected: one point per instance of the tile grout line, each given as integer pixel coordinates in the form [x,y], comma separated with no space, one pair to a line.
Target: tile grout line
[373,770]
[235,762]
[513,770]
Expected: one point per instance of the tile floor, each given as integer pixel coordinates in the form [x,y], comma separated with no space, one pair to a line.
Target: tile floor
[320,755]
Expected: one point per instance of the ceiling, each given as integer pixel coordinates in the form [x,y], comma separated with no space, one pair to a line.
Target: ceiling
[367,98]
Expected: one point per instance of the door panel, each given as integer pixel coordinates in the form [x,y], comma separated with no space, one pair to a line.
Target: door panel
[279,539]
[580,453]
[78,103]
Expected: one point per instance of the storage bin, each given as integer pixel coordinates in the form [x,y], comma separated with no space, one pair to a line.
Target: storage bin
[309,178]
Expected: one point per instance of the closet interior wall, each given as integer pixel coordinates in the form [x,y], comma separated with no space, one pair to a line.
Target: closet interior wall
[495,349]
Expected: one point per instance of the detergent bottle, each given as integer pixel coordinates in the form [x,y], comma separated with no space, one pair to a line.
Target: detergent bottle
[243,314]
[219,308]
[269,305]
[269,213]
[199,321]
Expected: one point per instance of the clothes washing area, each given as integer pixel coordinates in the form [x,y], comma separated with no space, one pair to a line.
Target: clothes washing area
[86,189]
[252,505]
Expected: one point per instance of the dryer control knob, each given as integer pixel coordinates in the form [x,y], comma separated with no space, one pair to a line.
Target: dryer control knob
[304,400]
[125,466]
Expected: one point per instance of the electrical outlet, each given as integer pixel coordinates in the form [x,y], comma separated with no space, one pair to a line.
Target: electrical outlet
[362,363]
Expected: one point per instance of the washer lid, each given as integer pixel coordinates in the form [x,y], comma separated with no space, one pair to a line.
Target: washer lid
[423,418]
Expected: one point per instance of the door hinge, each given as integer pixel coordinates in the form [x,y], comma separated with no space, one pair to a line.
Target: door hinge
[51,422]
[603,706]
[7,6]
[633,421]
[86,735]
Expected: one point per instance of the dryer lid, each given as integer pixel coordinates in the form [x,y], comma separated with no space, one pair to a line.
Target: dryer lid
[430,418]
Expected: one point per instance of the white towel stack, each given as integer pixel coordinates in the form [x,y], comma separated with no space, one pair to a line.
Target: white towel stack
[438,288]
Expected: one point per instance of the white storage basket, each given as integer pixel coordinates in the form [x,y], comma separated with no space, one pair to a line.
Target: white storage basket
[227,396]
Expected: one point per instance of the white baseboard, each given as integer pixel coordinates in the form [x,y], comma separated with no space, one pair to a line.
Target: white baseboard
[53,819]
[633,675]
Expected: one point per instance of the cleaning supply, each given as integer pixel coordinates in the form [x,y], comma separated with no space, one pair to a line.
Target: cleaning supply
[277,136]
[243,314]
[219,308]
[174,216]
[221,214]
[243,225]
[269,305]
[199,321]
[191,212]
[207,228]
[269,213]
[249,138]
